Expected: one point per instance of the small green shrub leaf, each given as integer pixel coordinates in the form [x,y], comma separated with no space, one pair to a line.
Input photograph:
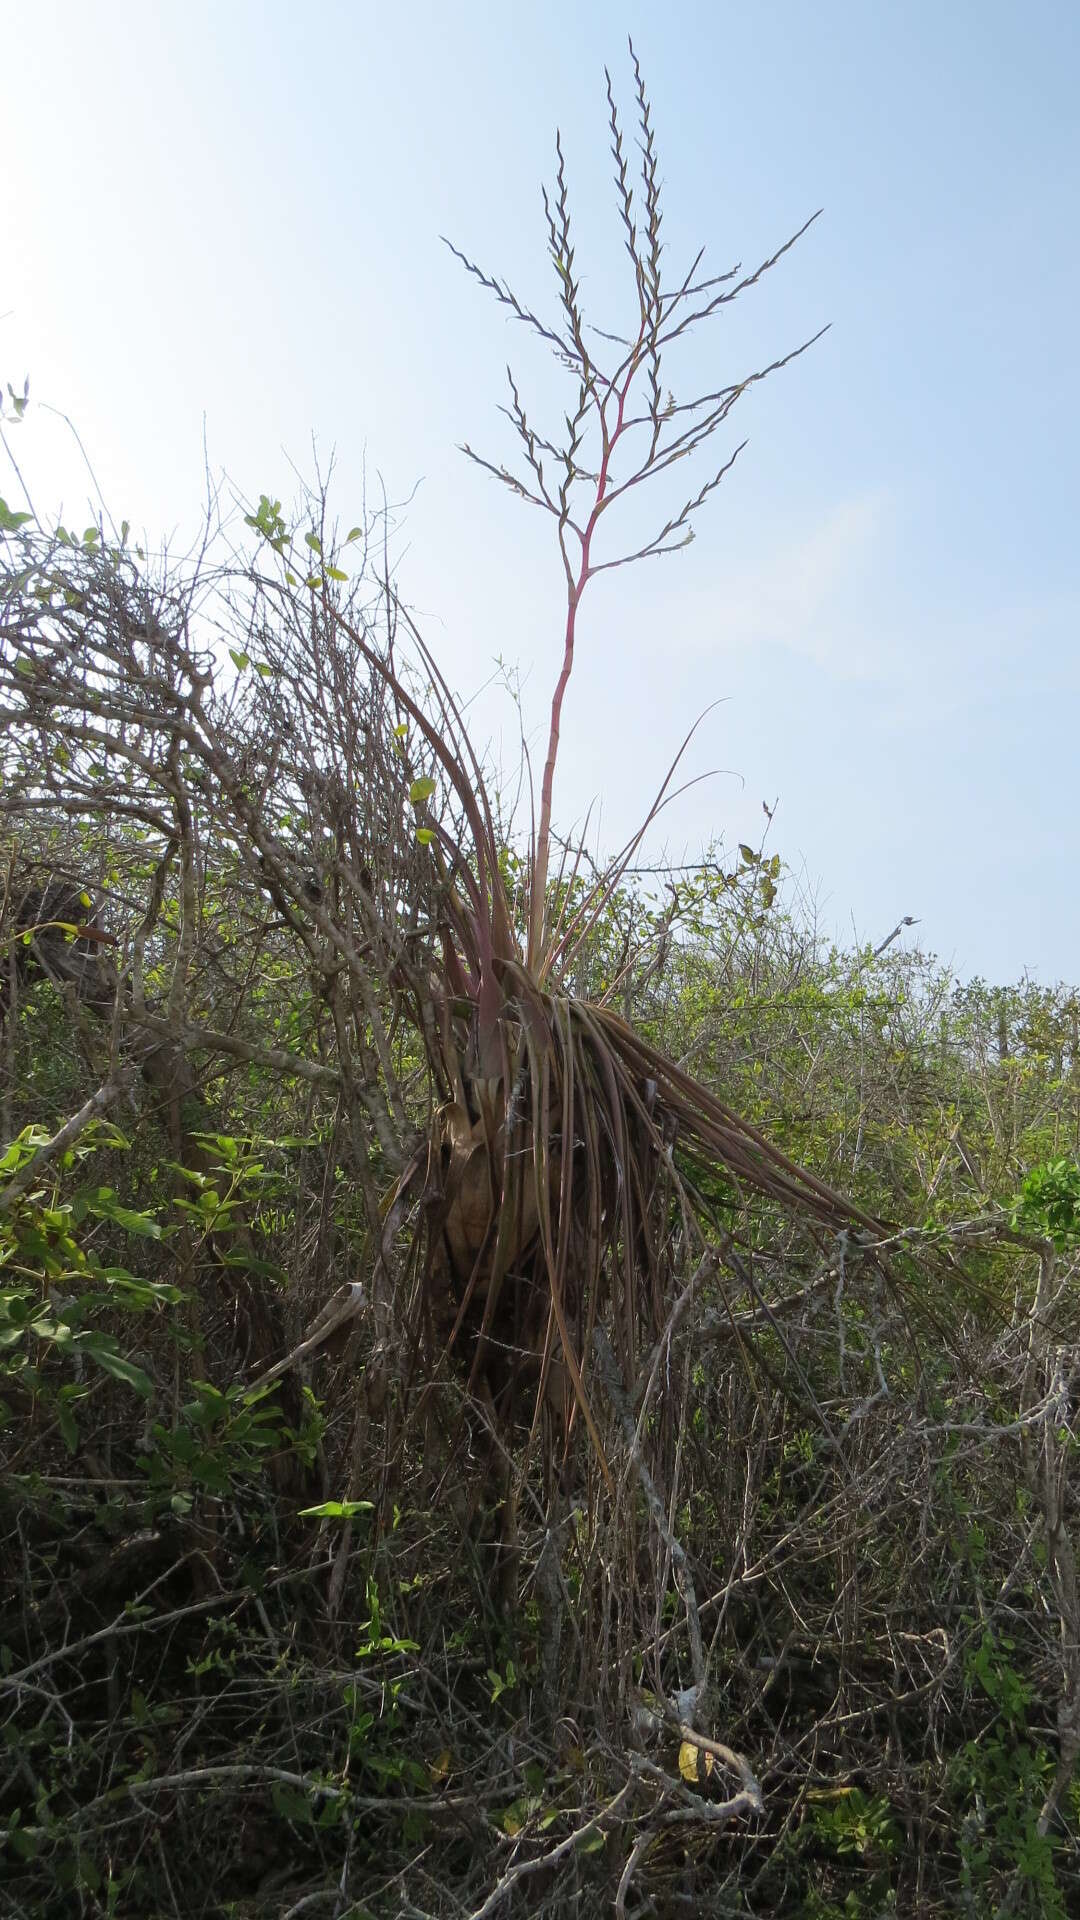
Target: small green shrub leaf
[336,1510]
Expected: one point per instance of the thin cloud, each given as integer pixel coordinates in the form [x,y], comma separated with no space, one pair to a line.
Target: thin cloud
[813,594]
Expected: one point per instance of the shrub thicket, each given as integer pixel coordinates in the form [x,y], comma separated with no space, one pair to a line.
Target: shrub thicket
[524,1389]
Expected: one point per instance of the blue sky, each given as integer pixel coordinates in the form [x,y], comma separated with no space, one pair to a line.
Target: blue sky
[231,214]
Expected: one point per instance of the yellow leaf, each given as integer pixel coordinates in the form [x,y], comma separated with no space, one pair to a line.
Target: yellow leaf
[694,1763]
[440,1767]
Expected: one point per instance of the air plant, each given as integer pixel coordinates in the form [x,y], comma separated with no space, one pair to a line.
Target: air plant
[556,1188]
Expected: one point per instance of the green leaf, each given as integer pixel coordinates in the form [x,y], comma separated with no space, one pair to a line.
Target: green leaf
[116,1365]
[289,1803]
[138,1293]
[10,522]
[239,660]
[354,533]
[424,836]
[336,1510]
[335,573]
[69,1432]
[104,1207]
[312,540]
[251,1263]
[592,1843]
[519,1812]
[421,790]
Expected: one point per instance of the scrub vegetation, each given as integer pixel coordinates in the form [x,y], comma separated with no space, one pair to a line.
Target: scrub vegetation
[528,1385]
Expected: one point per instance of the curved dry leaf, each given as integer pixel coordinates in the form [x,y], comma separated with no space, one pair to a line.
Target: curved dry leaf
[695,1764]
